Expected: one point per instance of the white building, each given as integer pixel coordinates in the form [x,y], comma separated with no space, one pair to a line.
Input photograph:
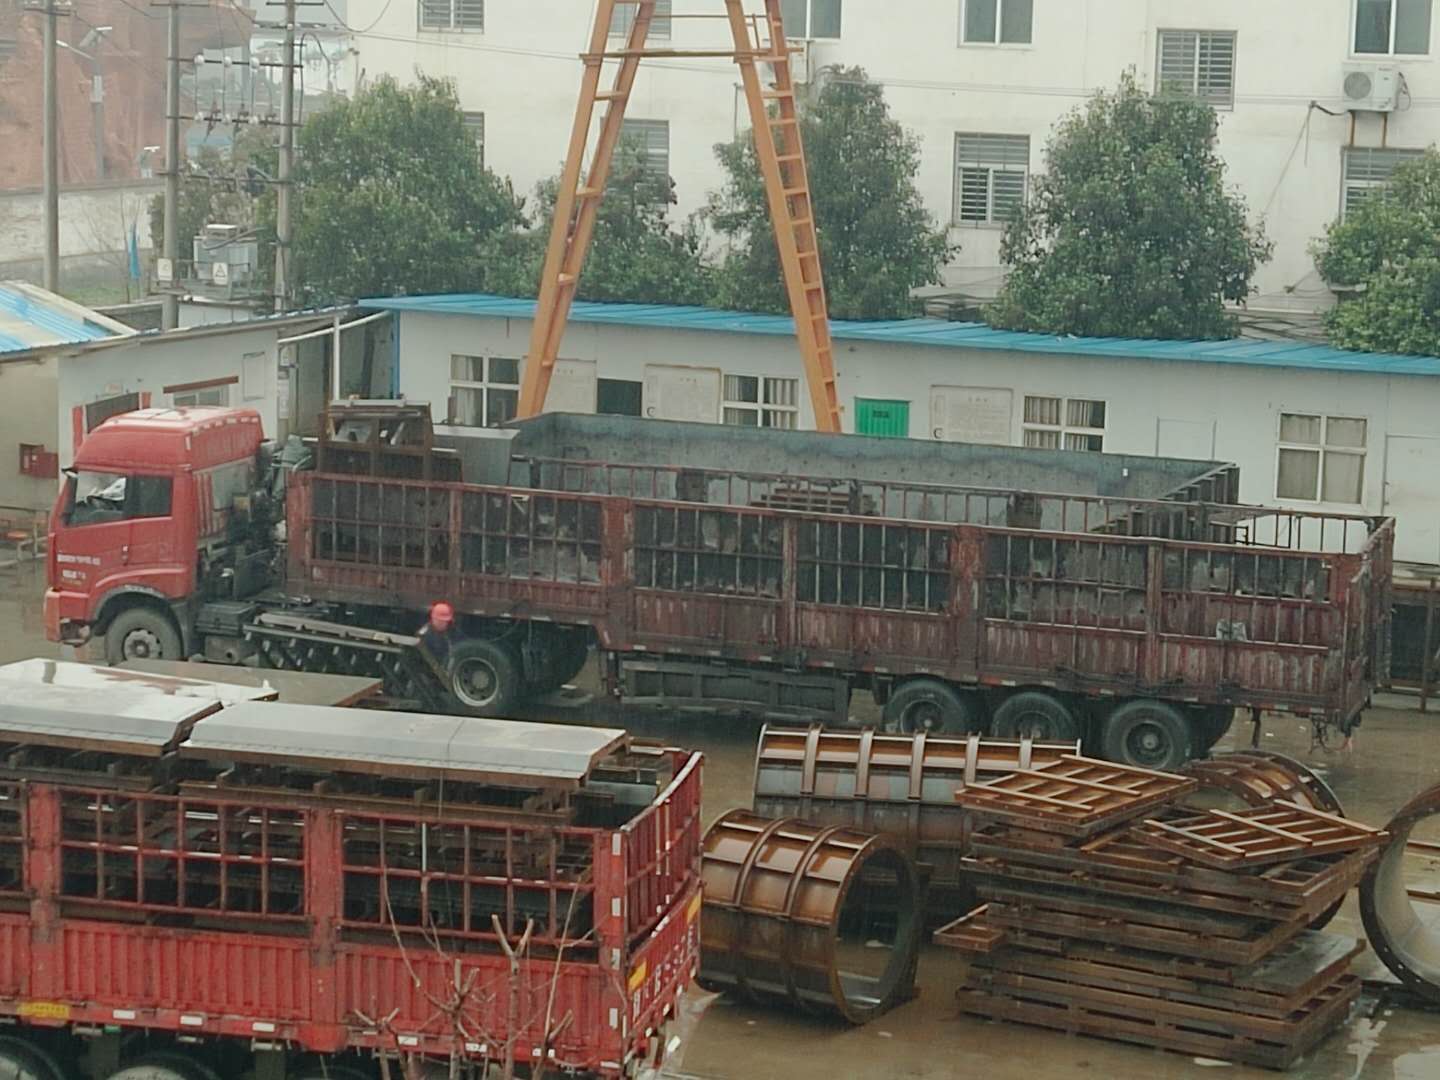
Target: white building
[981,83]
[1310,426]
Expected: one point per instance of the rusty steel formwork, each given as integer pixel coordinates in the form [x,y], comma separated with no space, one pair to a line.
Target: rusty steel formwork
[1261,777]
[795,915]
[1111,909]
[1404,938]
[902,786]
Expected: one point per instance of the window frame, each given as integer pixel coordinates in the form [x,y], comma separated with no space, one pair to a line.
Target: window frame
[1223,105]
[763,409]
[966,43]
[643,142]
[991,168]
[1394,26]
[1324,451]
[473,120]
[1403,155]
[661,26]
[486,385]
[809,34]
[452,26]
[1063,430]
[223,389]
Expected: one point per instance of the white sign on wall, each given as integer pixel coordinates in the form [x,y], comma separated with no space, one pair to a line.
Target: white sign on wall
[682,393]
[973,414]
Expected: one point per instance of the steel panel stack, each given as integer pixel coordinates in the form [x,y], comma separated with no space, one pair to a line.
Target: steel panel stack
[1111,910]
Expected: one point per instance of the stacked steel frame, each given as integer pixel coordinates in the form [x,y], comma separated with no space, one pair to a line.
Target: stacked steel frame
[1111,909]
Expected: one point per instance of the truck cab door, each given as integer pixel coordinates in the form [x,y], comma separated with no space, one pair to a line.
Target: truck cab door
[92,540]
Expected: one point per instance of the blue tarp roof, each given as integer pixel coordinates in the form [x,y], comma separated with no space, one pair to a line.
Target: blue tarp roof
[933,332]
[31,318]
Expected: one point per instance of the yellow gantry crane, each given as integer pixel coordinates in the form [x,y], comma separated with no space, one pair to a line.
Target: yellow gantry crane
[759,39]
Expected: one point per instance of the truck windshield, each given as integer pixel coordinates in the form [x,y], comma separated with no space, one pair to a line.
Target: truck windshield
[97,497]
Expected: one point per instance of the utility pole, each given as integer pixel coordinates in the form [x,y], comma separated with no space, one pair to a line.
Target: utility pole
[283,284]
[51,168]
[170,302]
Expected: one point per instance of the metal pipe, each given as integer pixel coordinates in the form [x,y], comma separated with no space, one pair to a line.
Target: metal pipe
[1408,944]
[170,303]
[792,911]
[51,166]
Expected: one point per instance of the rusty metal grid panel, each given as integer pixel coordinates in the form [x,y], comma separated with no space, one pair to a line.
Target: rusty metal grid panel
[1080,582]
[872,640]
[716,551]
[174,854]
[452,879]
[1249,595]
[12,839]
[700,623]
[1075,796]
[1258,836]
[662,851]
[221,974]
[876,565]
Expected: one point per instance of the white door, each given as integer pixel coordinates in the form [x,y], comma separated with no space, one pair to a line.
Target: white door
[1412,496]
[973,414]
[1193,439]
[682,393]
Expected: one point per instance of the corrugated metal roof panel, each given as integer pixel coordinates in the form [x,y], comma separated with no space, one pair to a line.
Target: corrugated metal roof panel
[935,333]
[31,318]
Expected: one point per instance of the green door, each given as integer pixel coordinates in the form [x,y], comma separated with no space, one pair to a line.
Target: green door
[888,419]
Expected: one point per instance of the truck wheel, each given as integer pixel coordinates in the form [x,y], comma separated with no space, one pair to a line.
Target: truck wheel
[22,1060]
[485,678]
[165,1065]
[562,658]
[1149,735]
[1211,724]
[140,633]
[934,707]
[1034,714]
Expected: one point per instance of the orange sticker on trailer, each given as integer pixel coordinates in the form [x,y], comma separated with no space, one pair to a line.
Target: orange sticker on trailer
[637,977]
[693,909]
[44,1010]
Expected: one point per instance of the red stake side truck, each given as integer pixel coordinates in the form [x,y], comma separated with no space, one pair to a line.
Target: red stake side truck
[1122,600]
[271,890]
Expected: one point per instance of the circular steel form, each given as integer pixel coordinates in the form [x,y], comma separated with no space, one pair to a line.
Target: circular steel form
[1261,777]
[793,913]
[1408,944]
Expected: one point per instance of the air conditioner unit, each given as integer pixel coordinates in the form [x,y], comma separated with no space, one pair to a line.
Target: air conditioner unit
[1371,88]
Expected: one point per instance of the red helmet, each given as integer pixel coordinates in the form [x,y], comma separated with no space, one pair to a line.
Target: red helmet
[442,614]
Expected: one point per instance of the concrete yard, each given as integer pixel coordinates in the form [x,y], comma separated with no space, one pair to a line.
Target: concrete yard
[1394,756]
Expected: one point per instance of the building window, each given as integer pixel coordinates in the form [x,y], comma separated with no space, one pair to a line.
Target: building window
[752,401]
[484,391]
[1322,458]
[990,174]
[811,18]
[1053,423]
[997,22]
[624,18]
[619,397]
[652,139]
[475,127]
[452,14]
[1367,170]
[1198,63]
[209,395]
[1392,27]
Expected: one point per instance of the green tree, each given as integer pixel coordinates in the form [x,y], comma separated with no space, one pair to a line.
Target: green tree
[1387,250]
[391,196]
[636,254]
[878,243]
[1131,231]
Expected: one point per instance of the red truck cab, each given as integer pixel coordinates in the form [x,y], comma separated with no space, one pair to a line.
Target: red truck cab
[148,495]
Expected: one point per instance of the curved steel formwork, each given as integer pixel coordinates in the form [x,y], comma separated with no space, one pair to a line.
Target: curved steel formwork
[1401,936]
[823,920]
[1262,777]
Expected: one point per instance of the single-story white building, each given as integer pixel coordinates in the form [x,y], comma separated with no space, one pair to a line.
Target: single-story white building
[1310,426]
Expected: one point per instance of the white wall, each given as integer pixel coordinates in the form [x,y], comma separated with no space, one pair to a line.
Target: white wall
[522,72]
[1240,405]
[27,390]
[94,221]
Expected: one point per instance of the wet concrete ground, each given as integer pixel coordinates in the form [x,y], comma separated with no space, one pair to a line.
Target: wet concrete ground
[1395,755]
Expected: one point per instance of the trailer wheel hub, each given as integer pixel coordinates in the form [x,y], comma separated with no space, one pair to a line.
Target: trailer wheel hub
[476,682]
[142,645]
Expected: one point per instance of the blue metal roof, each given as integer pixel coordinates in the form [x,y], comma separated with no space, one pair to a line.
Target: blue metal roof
[933,332]
[31,318]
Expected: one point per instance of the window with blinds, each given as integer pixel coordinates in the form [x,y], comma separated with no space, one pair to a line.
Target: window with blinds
[1053,423]
[990,177]
[624,19]
[652,138]
[475,127]
[1198,63]
[1367,170]
[452,14]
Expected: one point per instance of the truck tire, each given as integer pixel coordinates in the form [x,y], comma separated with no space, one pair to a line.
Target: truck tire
[485,678]
[1149,735]
[934,707]
[23,1060]
[1034,714]
[142,633]
[165,1065]
[562,657]
[1211,724]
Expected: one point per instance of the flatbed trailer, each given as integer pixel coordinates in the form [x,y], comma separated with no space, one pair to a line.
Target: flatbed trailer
[215,889]
[1128,602]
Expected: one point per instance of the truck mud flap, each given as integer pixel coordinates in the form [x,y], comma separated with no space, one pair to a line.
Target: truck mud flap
[690,686]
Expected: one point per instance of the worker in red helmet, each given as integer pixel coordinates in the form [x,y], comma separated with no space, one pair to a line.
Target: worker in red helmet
[436,635]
